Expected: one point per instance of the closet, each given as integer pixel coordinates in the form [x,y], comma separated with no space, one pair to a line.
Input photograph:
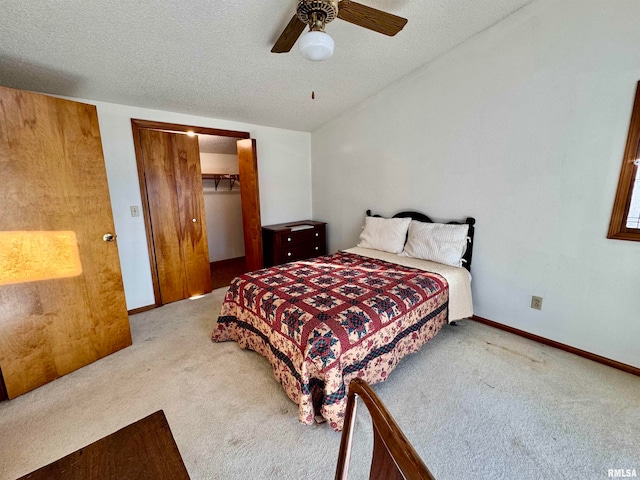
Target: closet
[170,177]
[173,180]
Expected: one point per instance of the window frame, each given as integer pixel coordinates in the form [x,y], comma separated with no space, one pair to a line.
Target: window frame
[618,227]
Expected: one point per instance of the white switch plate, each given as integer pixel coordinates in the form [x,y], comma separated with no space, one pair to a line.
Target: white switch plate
[135,211]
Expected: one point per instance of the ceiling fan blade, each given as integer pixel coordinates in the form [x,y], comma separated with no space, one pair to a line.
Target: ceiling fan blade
[371,18]
[289,36]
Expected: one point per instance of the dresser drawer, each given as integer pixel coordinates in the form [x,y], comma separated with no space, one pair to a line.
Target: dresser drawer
[299,252]
[288,242]
[301,236]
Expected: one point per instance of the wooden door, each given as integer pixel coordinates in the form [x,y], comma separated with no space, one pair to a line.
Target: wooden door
[53,193]
[176,209]
[250,197]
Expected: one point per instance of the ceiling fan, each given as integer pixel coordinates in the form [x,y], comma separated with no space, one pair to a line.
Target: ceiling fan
[316,44]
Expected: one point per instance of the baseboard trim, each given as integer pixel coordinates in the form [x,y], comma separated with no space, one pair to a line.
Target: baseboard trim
[141,309]
[561,346]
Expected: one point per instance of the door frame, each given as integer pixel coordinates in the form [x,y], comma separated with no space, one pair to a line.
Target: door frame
[136,126]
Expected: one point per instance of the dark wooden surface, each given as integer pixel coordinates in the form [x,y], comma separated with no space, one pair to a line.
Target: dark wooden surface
[371,18]
[393,458]
[223,271]
[250,199]
[618,227]
[143,450]
[157,148]
[186,163]
[289,36]
[176,209]
[146,308]
[176,127]
[282,245]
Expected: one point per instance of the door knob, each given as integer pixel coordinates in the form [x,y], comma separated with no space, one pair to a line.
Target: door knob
[109,237]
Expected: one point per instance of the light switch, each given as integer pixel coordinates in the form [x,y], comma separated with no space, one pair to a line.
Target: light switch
[135,211]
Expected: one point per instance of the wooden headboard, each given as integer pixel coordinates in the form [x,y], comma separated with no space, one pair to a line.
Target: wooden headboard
[421,217]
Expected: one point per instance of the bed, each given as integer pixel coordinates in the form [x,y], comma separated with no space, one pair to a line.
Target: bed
[355,313]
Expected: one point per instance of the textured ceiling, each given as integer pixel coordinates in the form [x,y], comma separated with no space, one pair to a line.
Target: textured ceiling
[216,144]
[212,58]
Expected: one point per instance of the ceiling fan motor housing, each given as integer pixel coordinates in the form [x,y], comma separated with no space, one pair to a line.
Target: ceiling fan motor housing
[327,8]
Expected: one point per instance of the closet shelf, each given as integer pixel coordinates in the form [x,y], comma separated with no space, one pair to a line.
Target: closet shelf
[217,177]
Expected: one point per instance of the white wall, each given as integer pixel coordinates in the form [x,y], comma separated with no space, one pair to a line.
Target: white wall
[522,127]
[283,172]
[225,233]
[223,208]
[218,163]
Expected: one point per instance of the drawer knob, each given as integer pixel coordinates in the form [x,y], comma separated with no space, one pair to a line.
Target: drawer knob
[288,239]
[317,234]
[288,254]
[317,248]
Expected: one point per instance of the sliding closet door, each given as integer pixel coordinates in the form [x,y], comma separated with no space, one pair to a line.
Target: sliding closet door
[186,157]
[62,302]
[176,210]
[250,195]
[164,214]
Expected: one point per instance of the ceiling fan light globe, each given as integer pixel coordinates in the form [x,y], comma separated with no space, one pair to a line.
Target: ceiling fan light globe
[316,46]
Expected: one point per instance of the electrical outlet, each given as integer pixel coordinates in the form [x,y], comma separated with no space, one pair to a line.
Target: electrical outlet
[536,303]
[135,211]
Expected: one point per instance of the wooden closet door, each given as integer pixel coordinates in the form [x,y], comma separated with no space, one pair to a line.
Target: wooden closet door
[53,184]
[174,191]
[160,178]
[186,158]
[250,195]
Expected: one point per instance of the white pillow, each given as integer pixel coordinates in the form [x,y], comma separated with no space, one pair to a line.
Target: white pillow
[438,242]
[386,234]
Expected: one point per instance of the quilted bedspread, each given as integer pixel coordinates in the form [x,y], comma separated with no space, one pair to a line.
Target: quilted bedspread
[324,321]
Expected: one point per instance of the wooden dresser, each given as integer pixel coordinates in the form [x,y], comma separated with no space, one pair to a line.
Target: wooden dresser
[287,242]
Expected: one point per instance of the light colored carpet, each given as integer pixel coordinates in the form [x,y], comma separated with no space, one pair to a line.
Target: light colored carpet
[476,402]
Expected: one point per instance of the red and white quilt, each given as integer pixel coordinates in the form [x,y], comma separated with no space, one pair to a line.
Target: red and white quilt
[324,321]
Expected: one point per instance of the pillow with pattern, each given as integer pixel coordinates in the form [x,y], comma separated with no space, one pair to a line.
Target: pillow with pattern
[439,242]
